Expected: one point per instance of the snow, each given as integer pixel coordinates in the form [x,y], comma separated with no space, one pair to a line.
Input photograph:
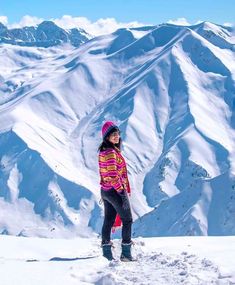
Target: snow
[171,260]
[171,91]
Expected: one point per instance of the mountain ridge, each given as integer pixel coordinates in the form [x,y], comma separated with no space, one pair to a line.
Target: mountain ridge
[46,34]
[171,91]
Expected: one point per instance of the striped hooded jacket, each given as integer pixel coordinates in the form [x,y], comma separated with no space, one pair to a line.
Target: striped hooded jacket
[113,171]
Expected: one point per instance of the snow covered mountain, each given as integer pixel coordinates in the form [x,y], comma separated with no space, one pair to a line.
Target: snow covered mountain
[172,91]
[46,34]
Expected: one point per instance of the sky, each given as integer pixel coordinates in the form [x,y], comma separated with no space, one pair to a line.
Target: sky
[115,13]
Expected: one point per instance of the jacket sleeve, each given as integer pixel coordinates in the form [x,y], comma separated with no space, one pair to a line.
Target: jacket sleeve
[108,170]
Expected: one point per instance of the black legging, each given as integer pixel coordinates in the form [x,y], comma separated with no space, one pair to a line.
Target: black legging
[112,206]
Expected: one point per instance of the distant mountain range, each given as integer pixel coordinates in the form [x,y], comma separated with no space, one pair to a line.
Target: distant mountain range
[170,88]
[46,34]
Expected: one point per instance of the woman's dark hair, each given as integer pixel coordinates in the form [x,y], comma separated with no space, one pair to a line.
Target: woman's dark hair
[107,144]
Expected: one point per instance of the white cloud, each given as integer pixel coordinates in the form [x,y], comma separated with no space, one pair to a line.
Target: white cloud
[99,27]
[228,24]
[3,20]
[182,22]
[26,21]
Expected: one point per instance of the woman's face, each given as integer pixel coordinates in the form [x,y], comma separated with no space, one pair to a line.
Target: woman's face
[114,137]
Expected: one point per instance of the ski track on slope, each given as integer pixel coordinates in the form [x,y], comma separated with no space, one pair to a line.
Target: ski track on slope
[155,268]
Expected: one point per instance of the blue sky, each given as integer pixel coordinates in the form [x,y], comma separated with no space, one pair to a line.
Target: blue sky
[145,11]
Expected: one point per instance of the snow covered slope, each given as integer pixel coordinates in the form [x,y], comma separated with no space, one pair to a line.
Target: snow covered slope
[170,88]
[168,260]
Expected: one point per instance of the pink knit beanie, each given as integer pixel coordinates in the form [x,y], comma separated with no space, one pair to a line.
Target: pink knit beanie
[108,127]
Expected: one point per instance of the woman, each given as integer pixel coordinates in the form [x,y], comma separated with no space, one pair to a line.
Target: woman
[114,188]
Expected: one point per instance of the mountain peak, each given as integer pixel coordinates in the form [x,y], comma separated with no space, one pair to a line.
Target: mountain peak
[48,25]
